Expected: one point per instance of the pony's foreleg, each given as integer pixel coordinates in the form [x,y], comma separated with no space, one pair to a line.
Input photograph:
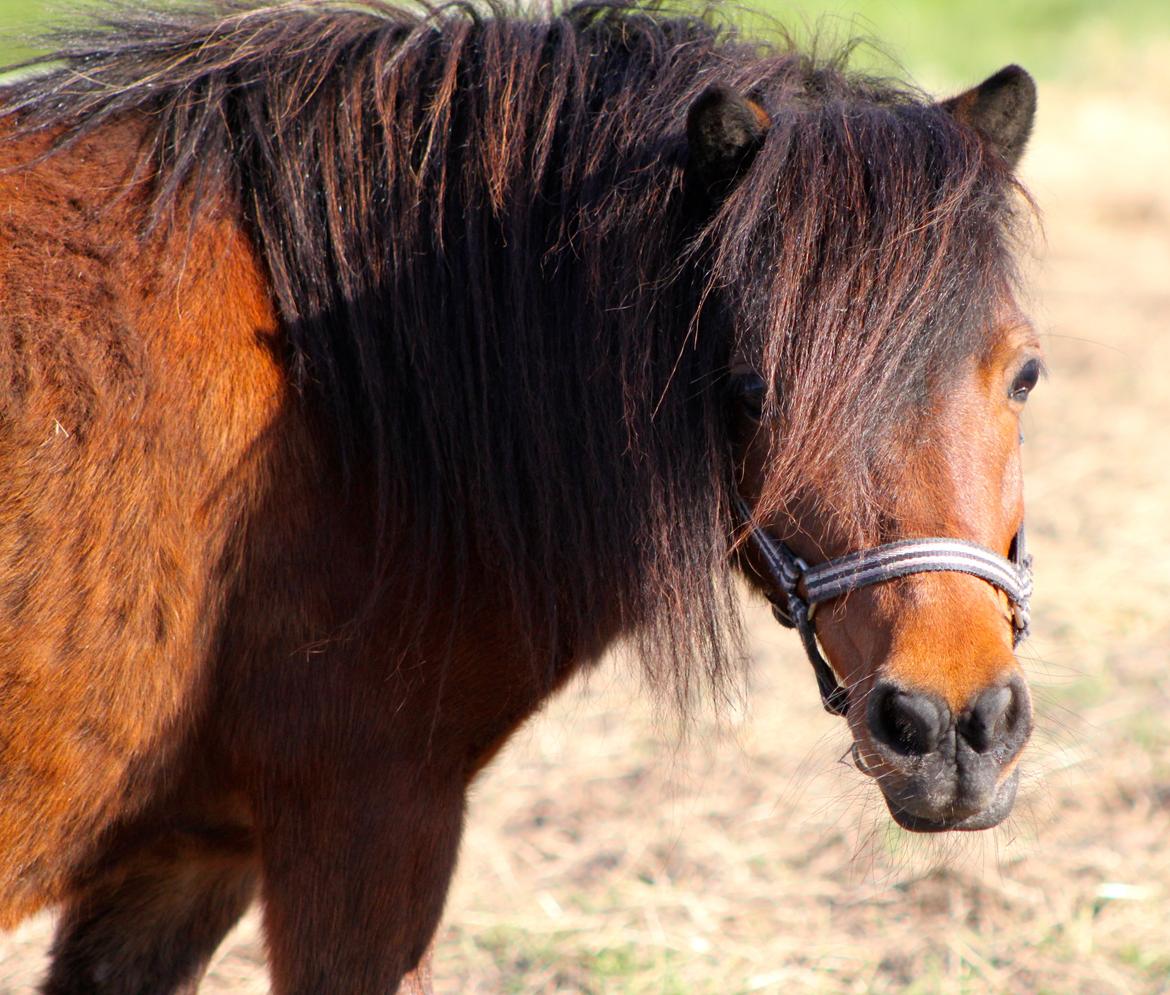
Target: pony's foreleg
[151,913]
[355,872]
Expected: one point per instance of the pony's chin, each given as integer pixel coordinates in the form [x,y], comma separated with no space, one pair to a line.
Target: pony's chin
[999,809]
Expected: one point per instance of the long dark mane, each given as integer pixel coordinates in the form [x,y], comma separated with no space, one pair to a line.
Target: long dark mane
[498,298]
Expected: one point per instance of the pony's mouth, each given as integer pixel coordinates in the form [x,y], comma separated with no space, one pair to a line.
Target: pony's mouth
[992,815]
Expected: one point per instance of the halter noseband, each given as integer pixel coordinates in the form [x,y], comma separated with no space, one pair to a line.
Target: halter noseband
[788,573]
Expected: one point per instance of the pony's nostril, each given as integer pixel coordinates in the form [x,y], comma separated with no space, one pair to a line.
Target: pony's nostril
[908,723]
[983,725]
[996,718]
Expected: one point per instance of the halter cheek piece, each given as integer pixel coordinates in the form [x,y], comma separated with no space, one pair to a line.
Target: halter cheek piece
[788,574]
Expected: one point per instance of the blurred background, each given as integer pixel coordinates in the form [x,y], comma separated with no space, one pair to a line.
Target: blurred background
[611,851]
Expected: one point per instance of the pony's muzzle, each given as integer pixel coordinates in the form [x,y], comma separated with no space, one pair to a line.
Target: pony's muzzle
[940,770]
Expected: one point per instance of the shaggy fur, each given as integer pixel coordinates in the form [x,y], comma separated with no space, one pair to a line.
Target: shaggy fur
[362,376]
[478,237]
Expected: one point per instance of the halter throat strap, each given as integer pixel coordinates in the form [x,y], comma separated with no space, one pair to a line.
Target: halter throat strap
[794,607]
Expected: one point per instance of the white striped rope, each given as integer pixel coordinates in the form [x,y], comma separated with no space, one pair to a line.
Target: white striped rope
[910,556]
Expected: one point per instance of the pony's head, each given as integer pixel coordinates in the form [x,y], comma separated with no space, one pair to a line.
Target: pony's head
[876,399]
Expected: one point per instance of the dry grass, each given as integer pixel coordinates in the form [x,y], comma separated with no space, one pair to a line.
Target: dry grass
[605,854]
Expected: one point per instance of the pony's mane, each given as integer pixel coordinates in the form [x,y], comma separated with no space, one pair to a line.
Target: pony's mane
[475,224]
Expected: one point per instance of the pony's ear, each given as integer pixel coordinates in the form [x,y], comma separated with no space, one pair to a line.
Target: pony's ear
[1001,109]
[725,130]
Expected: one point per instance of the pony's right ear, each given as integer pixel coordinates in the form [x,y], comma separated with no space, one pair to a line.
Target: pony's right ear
[725,130]
[1001,108]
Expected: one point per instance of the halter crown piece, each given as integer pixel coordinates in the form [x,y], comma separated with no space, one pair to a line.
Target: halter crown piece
[788,574]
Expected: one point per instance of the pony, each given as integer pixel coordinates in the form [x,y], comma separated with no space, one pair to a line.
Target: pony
[366,372]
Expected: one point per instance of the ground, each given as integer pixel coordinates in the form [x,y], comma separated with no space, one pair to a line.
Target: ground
[607,853]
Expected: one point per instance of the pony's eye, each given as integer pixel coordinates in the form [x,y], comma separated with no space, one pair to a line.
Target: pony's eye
[749,389]
[1025,380]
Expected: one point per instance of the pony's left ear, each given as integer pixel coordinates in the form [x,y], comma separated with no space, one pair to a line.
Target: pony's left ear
[1001,109]
[725,130]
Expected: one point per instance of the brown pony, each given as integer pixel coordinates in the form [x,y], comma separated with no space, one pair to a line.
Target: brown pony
[364,374]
